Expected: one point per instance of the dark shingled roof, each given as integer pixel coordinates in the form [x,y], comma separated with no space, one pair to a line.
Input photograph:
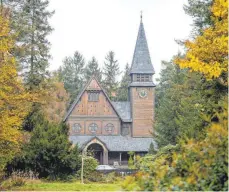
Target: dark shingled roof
[141,62]
[117,143]
[123,109]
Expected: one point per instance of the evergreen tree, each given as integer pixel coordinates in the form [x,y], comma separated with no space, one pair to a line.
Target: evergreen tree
[178,105]
[72,74]
[111,71]
[49,152]
[199,10]
[30,22]
[91,69]
[123,88]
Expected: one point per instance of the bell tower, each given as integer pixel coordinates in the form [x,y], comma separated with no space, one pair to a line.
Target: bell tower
[142,88]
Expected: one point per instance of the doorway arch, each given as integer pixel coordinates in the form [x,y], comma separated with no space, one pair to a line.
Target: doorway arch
[97,151]
[100,150]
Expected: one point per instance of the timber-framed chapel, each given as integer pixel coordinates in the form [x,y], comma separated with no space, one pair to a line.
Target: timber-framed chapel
[112,129]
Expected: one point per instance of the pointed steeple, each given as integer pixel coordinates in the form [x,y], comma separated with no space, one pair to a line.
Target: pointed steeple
[141,62]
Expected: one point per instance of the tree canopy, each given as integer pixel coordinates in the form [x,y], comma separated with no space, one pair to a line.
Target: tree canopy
[14,99]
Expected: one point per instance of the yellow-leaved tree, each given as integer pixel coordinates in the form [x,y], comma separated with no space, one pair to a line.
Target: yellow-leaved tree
[56,102]
[14,101]
[208,53]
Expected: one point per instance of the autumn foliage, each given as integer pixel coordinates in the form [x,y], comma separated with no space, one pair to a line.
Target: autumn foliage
[208,53]
[14,99]
[56,103]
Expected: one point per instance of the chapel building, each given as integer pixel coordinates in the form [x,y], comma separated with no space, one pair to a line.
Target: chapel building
[112,129]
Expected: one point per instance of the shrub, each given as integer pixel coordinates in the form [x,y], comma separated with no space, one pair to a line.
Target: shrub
[192,166]
[131,160]
[95,176]
[17,178]
[111,177]
[130,184]
[89,167]
[49,152]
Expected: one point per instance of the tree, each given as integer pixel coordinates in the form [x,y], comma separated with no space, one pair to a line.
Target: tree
[30,22]
[49,152]
[72,74]
[199,10]
[91,69]
[208,52]
[56,106]
[111,71]
[178,105]
[122,93]
[14,99]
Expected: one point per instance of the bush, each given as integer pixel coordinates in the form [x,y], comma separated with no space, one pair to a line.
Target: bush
[17,179]
[130,184]
[89,167]
[111,177]
[49,152]
[200,165]
[95,176]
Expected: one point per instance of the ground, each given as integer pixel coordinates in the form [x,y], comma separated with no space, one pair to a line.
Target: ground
[67,186]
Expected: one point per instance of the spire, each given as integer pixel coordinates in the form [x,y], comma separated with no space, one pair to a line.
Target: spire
[141,62]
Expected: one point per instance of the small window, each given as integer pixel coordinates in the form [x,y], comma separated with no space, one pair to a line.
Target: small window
[138,77]
[143,78]
[93,96]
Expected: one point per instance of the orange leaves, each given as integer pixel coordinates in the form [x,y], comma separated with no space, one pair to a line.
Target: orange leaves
[208,53]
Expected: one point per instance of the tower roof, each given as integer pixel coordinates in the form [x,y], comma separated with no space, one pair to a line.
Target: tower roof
[141,62]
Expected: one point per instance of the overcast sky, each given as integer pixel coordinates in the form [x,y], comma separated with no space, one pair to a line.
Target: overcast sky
[94,27]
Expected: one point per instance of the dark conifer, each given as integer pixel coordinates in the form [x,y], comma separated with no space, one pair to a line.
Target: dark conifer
[123,87]
[111,72]
[92,69]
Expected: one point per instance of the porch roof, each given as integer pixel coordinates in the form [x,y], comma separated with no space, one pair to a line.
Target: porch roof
[117,143]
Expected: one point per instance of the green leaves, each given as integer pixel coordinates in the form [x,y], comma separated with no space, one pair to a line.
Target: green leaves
[49,151]
[177,114]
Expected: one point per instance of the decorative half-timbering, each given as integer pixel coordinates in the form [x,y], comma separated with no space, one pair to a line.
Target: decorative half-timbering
[111,129]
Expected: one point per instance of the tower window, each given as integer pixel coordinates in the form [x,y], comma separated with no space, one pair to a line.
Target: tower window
[93,96]
[143,78]
[138,77]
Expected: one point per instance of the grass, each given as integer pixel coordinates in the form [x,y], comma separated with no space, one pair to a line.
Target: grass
[67,186]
